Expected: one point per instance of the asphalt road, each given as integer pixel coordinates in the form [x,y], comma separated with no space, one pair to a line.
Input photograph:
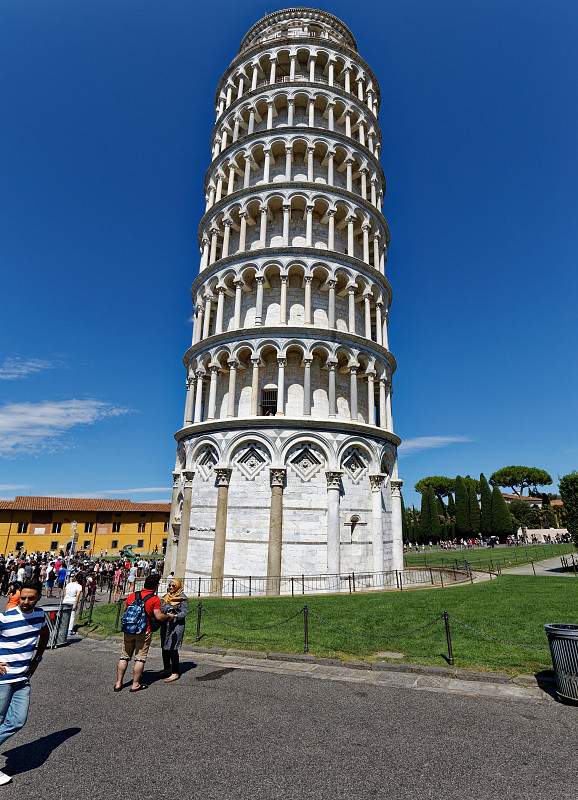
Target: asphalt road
[232,733]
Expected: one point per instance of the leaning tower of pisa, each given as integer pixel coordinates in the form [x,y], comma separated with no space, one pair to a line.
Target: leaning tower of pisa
[287,460]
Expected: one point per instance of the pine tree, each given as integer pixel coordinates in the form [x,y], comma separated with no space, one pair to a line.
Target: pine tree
[501,517]
[429,523]
[462,510]
[486,504]
[473,509]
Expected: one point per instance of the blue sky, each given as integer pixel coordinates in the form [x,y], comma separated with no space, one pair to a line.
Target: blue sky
[107,108]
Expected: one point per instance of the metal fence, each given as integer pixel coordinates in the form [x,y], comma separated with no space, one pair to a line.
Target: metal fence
[255,586]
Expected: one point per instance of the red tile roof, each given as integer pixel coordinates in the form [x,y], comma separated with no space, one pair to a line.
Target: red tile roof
[31,503]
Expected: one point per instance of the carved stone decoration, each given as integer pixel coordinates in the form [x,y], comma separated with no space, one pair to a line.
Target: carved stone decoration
[251,461]
[333,479]
[355,464]
[179,509]
[277,476]
[206,463]
[181,455]
[306,462]
[376,481]
[396,488]
[176,479]
[222,476]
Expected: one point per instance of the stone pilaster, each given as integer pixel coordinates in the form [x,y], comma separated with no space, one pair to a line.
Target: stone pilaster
[222,478]
[277,477]
[396,523]
[376,483]
[183,546]
[172,539]
[333,521]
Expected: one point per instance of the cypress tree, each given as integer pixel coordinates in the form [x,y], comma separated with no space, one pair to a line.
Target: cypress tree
[473,509]
[462,510]
[425,515]
[501,517]
[451,506]
[486,503]
[404,525]
[440,508]
[435,525]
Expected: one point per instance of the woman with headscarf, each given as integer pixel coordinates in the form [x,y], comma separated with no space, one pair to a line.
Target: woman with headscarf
[173,631]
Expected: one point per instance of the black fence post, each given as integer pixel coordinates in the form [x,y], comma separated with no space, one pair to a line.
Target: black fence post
[431,576]
[349,582]
[401,581]
[305,629]
[232,588]
[533,568]
[446,617]
[199,616]
[292,587]
[199,591]
[442,578]
[302,584]
[471,576]
[353,580]
[250,587]
[118,610]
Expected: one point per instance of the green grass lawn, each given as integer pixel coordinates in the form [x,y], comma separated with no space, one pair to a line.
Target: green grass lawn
[512,609]
[488,558]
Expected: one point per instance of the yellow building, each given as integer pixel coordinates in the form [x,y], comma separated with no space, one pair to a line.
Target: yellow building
[102,526]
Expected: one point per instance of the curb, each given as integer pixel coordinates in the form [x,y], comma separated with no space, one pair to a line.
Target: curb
[381,666]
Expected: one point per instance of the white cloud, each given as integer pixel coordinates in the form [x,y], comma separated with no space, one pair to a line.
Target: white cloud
[32,427]
[13,487]
[409,446]
[14,368]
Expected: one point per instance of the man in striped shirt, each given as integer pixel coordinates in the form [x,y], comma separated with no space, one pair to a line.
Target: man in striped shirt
[23,640]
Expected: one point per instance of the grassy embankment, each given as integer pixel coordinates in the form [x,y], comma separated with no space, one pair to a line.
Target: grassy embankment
[487,558]
[506,618]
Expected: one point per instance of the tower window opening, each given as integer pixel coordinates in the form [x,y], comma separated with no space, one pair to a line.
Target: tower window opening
[268,402]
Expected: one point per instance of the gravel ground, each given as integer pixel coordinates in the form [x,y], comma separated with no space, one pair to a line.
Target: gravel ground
[222,732]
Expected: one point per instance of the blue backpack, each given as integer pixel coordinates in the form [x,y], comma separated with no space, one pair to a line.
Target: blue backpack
[134,619]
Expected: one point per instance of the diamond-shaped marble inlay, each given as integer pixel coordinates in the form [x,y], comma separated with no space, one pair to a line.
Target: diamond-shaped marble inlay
[206,463]
[306,463]
[251,461]
[355,464]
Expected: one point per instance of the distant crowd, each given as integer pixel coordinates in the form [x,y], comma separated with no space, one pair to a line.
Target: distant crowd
[491,541]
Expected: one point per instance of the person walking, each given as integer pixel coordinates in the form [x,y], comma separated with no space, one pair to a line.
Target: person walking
[136,643]
[23,640]
[173,630]
[72,595]
[13,595]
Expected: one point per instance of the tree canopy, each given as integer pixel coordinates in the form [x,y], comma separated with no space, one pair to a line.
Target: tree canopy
[519,478]
[441,484]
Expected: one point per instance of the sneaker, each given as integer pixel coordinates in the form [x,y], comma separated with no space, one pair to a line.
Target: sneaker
[4,778]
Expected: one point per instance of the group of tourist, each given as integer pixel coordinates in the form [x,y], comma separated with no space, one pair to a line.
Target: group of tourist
[489,541]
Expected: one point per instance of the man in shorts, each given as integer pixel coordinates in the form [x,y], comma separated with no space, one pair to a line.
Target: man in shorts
[137,644]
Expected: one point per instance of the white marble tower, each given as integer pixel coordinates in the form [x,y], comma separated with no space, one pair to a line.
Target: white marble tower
[287,459]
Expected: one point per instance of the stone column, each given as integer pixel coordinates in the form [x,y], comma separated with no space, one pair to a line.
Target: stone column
[263,231]
[238,299]
[310,151]
[242,232]
[388,414]
[331,229]
[332,393]
[281,386]
[396,523]
[214,370]
[378,322]
[307,387]
[370,399]
[283,301]
[226,237]
[189,404]
[231,393]
[286,220]
[333,522]
[222,478]
[183,546]
[290,112]
[259,280]
[385,341]
[351,299]
[199,397]
[382,404]
[288,164]
[353,393]
[277,477]
[307,303]
[376,482]
[365,229]
[350,241]
[267,165]
[331,305]
[172,542]
[309,226]
[367,300]
[220,308]
[255,387]
[207,315]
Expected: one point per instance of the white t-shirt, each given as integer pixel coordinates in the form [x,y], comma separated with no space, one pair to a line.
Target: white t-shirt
[71,592]
[21,574]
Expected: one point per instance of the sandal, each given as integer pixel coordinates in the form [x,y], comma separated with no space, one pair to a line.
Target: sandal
[141,688]
[117,689]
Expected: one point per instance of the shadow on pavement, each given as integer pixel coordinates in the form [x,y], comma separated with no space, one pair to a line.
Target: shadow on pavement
[160,675]
[34,754]
[216,674]
[545,680]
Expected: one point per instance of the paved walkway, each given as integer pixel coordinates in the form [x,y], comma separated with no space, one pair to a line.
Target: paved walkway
[550,566]
[231,729]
